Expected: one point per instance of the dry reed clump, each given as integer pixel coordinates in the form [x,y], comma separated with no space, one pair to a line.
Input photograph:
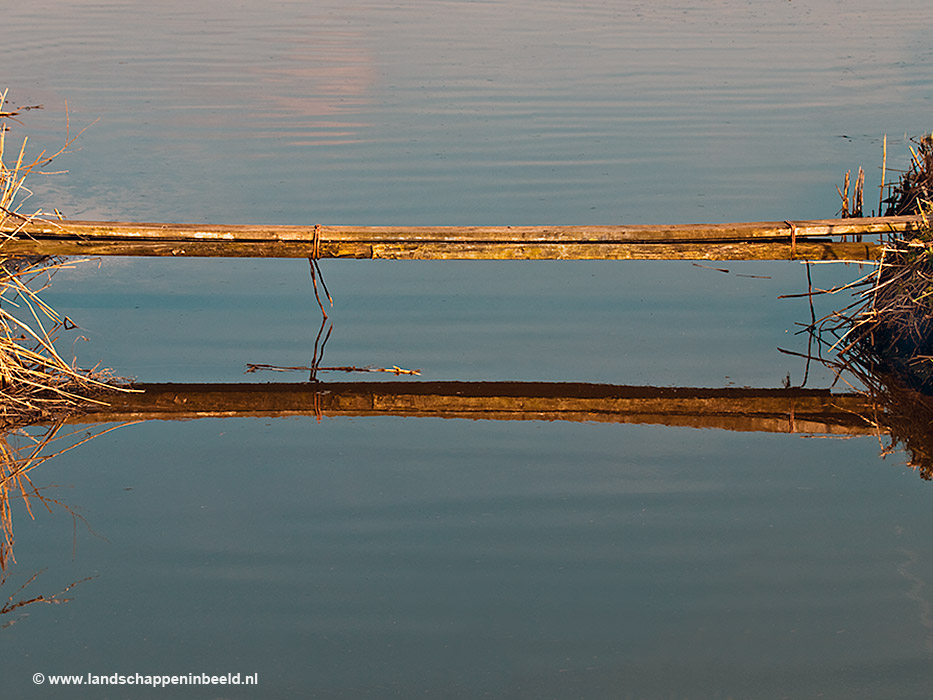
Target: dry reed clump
[36,383]
[889,345]
[889,328]
[37,386]
[891,331]
[885,337]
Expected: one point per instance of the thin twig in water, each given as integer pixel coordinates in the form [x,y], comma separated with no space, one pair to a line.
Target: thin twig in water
[318,354]
[252,367]
[707,267]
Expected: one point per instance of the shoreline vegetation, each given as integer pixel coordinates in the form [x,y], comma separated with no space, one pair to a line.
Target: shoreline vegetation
[39,389]
[884,338]
[36,383]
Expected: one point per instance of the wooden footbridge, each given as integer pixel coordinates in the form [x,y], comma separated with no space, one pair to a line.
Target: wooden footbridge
[827,239]
[788,411]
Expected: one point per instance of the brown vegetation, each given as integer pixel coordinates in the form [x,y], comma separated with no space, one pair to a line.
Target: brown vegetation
[885,337]
[38,388]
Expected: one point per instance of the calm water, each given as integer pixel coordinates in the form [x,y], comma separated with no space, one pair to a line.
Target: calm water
[389,557]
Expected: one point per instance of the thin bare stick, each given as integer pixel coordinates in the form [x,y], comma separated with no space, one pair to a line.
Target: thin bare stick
[394,369]
[884,164]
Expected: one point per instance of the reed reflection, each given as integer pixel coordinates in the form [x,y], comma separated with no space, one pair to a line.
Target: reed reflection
[22,451]
[900,413]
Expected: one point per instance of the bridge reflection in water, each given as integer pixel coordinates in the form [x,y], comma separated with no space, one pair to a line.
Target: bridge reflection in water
[739,409]
[794,411]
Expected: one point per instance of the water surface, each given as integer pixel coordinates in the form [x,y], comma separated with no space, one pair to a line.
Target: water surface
[399,557]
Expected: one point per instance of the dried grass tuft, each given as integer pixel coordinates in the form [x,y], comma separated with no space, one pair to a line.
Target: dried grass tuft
[36,383]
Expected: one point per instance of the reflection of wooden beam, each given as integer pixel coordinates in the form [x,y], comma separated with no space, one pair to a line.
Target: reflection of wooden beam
[767,410]
[768,240]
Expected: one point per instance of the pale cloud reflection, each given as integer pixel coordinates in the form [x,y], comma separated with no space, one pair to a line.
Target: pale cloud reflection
[315,88]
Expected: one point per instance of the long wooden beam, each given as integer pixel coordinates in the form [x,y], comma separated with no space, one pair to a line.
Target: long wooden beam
[765,410]
[768,240]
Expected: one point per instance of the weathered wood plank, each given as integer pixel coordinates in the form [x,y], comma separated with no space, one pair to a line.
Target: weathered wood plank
[768,410]
[710,251]
[680,233]
[439,250]
[783,240]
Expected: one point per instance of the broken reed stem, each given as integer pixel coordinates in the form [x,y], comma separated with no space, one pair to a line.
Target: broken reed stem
[884,164]
[855,209]
[316,271]
[844,194]
[858,196]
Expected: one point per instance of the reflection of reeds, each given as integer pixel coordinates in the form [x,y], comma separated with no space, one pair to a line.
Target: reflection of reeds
[907,418]
[16,463]
[13,603]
